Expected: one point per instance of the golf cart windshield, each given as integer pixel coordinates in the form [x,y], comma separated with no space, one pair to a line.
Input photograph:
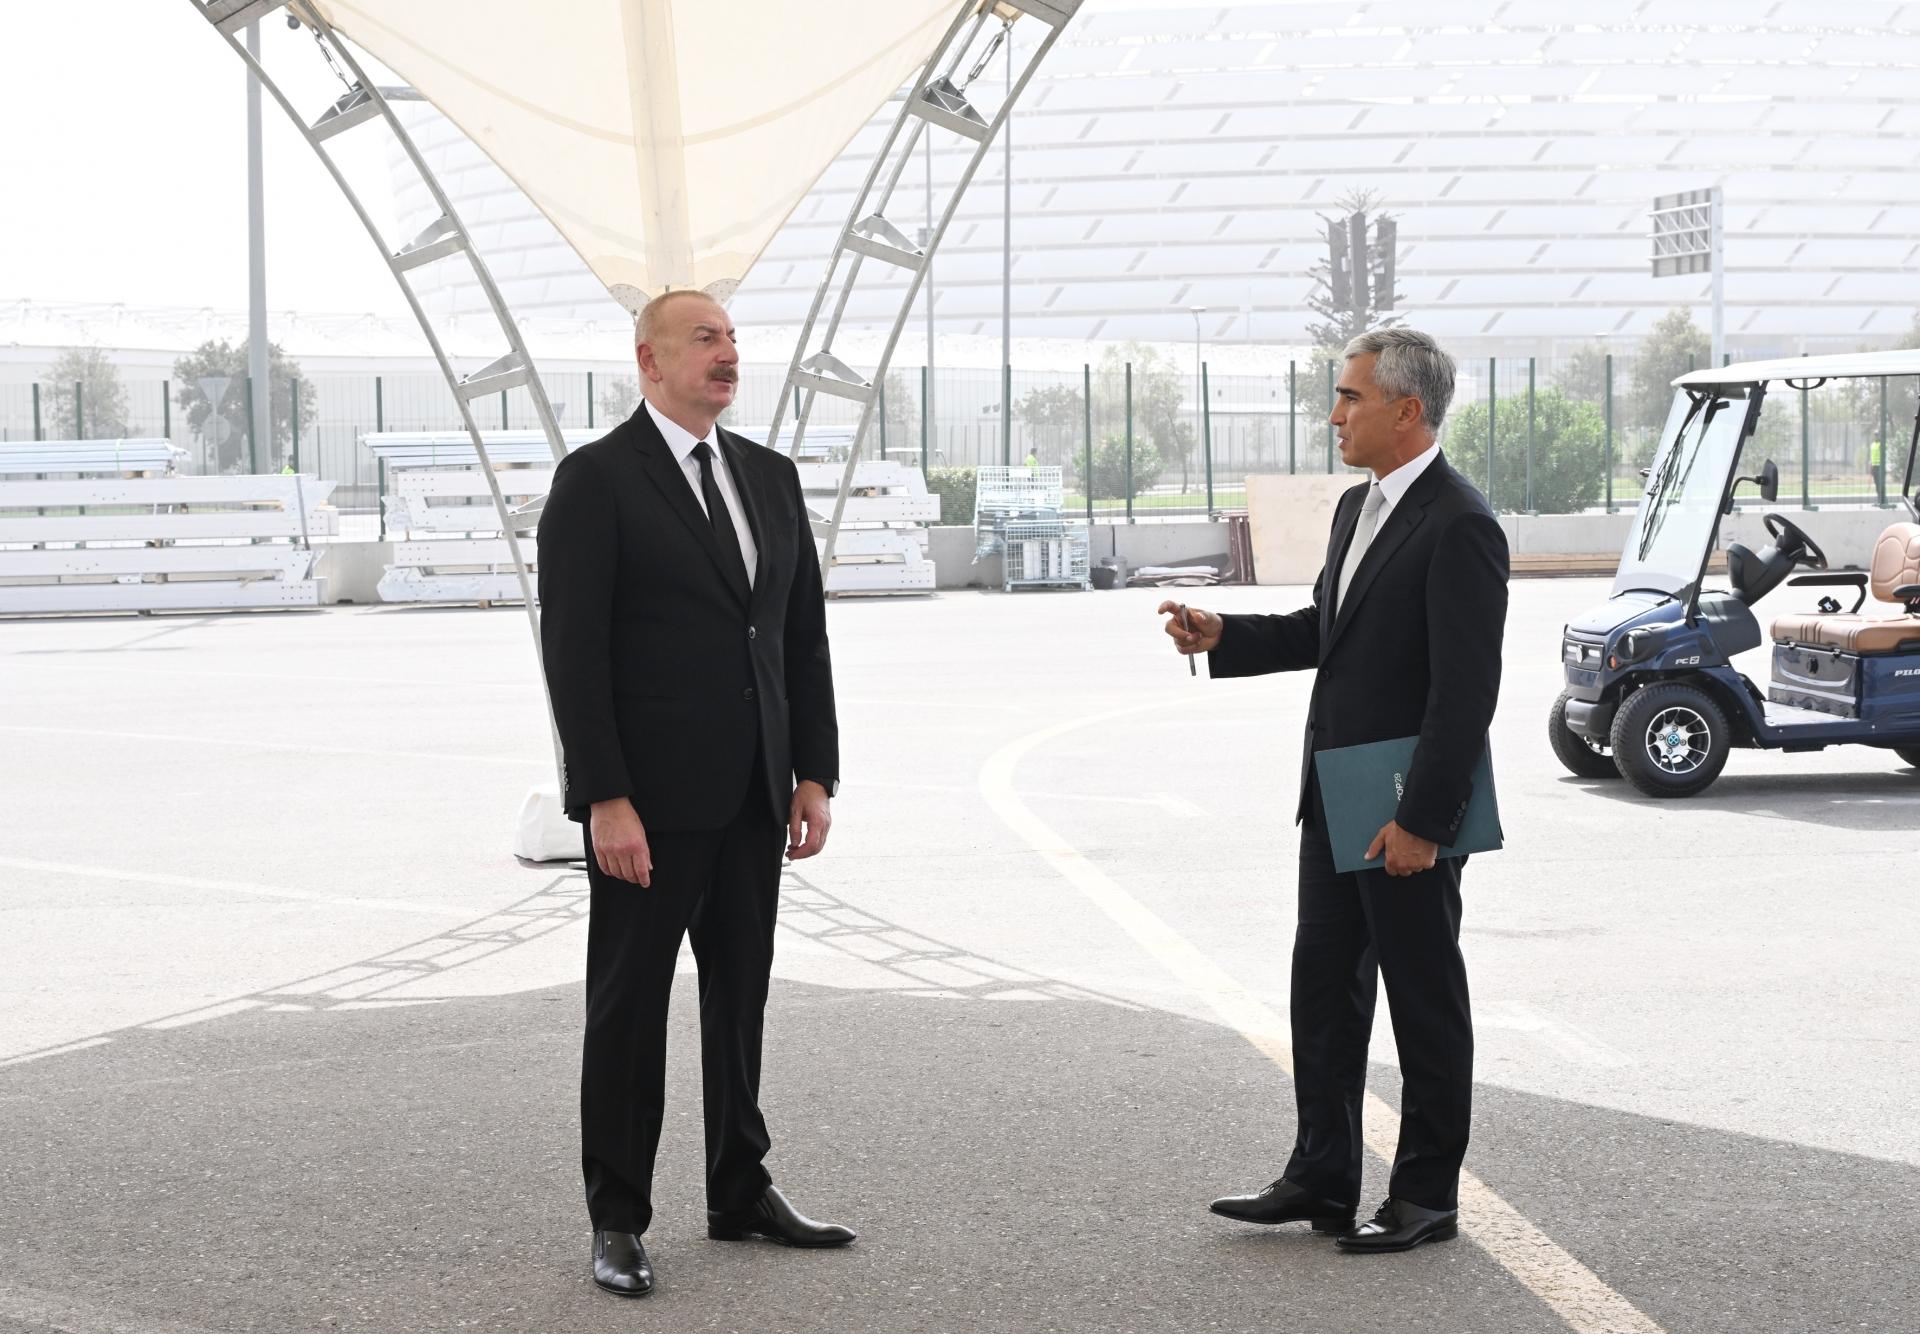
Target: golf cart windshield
[1685,489]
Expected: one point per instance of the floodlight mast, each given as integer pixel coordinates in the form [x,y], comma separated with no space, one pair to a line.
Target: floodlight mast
[1687,237]
[444,237]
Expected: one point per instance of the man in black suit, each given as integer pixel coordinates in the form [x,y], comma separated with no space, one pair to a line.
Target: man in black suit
[1405,631]
[683,631]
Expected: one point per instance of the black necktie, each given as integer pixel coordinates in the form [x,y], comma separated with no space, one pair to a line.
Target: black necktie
[718,515]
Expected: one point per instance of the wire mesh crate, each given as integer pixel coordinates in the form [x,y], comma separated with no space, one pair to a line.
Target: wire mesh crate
[1048,553]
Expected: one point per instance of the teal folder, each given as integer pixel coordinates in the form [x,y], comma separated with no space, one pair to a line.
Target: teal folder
[1360,789]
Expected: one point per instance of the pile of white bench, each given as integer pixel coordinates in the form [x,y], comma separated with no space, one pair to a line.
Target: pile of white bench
[106,525]
[448,545]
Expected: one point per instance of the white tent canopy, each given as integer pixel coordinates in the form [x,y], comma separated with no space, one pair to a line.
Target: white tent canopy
[667,140]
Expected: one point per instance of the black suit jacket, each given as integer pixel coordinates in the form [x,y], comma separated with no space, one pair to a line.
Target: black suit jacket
[667,675]
[1413,651]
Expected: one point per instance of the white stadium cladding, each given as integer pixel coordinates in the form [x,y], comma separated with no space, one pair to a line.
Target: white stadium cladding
[1176,155]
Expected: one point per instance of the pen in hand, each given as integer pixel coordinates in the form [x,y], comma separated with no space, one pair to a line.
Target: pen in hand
[1186,623]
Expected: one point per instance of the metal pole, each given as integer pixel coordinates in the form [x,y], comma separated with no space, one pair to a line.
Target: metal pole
[1718,260]
[1806,454]
[1530,362]
[381,499]
[1006,414]
[1198,389]
[253,436]
[36,411]
[1293,410]
[926,239]
[1492,408]
[166,410]
[1086,408]
[1129,477]
[1206,435]
[294,388]
[1609,432]
[379,406]
[1329,419]
[589,400]
[79,420]
[1880,478]
[924,376]
[503,409]
[1006,268]
[881,390]
[259,405]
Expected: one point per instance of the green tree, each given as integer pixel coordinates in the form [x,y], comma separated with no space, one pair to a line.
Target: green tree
[1583,375]
[103,400]
[1675,346]
[1158,388]
[1902,403]
[1055,418]
[1341,322]
[1569,451]
[902,399]
[224,424]
[955,487]
[1110,467]
[619,396]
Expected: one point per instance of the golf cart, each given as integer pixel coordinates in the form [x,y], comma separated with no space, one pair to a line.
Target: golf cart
[1650,690]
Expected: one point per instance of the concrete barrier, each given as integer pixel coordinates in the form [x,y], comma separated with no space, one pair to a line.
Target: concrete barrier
[353,569]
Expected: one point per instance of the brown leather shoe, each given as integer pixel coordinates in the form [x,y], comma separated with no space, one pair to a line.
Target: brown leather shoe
[772,1217]
[620,1264]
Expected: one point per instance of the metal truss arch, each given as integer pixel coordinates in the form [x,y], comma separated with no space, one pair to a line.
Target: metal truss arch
[445,237]
[938,99]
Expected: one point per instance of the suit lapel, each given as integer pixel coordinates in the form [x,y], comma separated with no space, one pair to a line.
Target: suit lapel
[1345,519]
[1406,516]
[672,483]
[746,479]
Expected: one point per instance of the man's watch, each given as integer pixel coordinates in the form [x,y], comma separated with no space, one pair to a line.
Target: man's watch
[832,785]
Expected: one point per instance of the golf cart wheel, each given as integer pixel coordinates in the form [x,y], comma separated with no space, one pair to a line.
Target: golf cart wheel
[1911,754]
[1670,740]
[1583,758]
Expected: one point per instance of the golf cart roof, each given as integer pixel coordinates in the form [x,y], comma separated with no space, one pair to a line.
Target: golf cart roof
[1901,361]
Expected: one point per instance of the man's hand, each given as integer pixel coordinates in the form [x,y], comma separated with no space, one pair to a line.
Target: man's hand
[810,813]
[1203,637]
[1407,854]
[620,842]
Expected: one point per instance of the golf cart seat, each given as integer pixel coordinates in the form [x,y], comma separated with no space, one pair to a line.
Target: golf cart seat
[1896,566]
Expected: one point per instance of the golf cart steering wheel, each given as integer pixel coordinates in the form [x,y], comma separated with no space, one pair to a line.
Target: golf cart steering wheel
[1787,536]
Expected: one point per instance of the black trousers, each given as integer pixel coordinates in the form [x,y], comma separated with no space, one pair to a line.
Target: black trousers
[722,886]
[1353,929]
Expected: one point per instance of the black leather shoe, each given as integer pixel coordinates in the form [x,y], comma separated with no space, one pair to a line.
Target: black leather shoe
[620,1264]
[771,1216]
[1284,1202]
[1399,1226]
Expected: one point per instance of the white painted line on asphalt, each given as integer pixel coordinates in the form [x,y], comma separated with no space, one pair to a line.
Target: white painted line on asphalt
[1573,1043]
[204,1014]
[1169,802]
[233,887]
[288,747]
[69,1315]
[1574,1292]
[62,1050]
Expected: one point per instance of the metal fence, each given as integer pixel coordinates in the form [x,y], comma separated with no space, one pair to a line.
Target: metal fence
[1136,441]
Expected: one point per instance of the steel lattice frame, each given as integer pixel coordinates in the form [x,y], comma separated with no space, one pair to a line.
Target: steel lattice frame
[936,100]
[445,237]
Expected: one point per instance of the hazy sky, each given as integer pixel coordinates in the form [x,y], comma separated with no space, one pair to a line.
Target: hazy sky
[125,168]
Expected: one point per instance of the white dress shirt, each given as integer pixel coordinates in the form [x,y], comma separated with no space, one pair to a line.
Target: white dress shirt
[1395,484]
[682,441]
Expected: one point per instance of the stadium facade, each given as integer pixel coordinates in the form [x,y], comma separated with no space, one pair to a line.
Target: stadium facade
[1178,155]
